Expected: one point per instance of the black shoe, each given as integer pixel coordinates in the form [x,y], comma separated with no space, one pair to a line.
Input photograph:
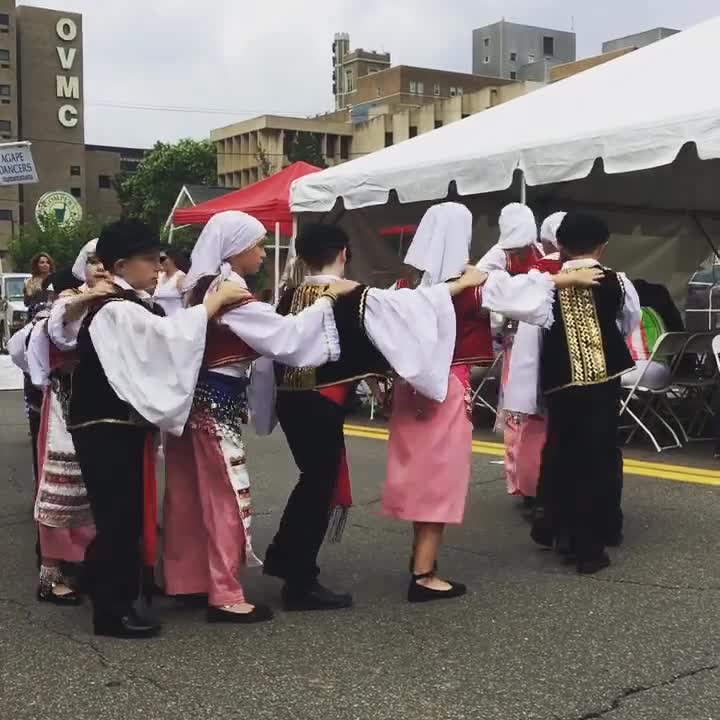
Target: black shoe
[71,599]
[129,627]
[529,503]
[420,594]
[314,597]
[542,532]
[261,613]
[590,567]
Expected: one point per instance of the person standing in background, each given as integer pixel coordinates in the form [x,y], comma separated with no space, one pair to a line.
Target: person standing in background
[41,267]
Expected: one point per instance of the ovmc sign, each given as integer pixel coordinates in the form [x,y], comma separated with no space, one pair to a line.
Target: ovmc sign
[68,84]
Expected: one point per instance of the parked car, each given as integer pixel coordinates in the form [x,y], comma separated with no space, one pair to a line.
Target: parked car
[13,313]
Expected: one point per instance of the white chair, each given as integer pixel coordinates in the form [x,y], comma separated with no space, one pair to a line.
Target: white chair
[651,402]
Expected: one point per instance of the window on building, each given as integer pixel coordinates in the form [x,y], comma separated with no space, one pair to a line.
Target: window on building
[438,124]
[486,42]
[487,60]
[104,182]
[331,146]
[4,23]
[344,148]
[349,81]
[453,91]
[460,92]
[548,46]
[4,56]
[389,139]
[5,127]
[531,58]
[129,165]
[6,216]
[413,131]
[76,192]
[513,75]
[413,87]
[436,90]
[513,57]
[75,170]
[4,91]
[421,88]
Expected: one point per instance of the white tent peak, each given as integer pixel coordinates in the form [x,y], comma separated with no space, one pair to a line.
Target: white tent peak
[635,112]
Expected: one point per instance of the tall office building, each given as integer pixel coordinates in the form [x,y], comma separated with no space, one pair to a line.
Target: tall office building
[520,52]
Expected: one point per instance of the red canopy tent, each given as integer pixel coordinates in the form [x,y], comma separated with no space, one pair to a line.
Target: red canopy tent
[267,200]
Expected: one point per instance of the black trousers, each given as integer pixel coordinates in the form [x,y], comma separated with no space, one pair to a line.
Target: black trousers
[34,422]
[313,426]
[581,478]
[111,460]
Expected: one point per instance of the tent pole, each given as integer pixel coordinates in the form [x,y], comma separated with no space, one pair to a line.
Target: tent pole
[172,231]
[523,188]
[276,291]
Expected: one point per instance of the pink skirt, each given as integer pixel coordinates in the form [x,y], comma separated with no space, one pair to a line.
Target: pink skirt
[524,442]
[430,454]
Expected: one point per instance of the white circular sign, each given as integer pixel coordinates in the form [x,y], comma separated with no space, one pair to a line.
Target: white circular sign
[62,206]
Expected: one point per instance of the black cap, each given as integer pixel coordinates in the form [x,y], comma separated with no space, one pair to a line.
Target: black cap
[318,245]
[124,239]
[61,281]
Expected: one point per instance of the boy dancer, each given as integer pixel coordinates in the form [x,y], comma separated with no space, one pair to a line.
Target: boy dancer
[584,355]
[135,370]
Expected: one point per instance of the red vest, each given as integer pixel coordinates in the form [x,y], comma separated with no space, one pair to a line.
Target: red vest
[520,262]
[473,339]
[62,360]
[549,265]
[223,347]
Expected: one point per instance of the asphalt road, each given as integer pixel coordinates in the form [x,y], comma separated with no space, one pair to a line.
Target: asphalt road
[532,640]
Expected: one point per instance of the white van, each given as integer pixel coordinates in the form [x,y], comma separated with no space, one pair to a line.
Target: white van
[13,313]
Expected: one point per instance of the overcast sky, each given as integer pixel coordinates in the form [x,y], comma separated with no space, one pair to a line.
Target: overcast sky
[252,57]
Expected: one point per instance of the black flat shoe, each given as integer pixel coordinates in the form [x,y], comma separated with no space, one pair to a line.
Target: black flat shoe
[71,599]
[315,597]
[127,627]
[261,613]
[590,567]
[421,594]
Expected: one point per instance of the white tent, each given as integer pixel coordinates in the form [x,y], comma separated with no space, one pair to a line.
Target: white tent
[637,139]
[635,113]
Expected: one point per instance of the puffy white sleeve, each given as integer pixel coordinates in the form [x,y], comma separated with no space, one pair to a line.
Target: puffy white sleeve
[415,331]
[308,339]
[527,298]
[494,259]
[63,334]
[17,348]
[38,355]
[631,313]
[152,363]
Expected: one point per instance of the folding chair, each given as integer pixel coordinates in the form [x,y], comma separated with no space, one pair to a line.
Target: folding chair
[696,389]
[491,375]
[650,401]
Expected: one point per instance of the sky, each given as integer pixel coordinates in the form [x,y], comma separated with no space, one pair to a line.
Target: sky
[199,66]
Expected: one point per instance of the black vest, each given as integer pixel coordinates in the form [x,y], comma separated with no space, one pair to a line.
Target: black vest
[92,399]
[584,346]
[359,358]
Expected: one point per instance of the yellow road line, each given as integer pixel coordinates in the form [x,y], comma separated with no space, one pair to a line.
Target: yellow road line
[640,468]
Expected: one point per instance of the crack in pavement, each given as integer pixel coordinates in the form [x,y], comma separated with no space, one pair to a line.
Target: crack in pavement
[104,661]
[659,586]
[617,702]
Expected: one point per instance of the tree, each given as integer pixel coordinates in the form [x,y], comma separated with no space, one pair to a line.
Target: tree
[151,191]
[61,242]
[307,147]
[265,166]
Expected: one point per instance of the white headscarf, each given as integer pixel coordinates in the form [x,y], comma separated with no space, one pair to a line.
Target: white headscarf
[441,246]
[518,228]
[552,223]
[227,234]
[79,268]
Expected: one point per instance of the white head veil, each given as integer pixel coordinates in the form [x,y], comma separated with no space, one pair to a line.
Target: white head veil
[79,268]
[441,246]
[227,234]
[518,228]
[548,231]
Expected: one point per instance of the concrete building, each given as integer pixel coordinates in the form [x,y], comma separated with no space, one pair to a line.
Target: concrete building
[648,37]
[560,72]
[503,49]
[349,134]
[42,100]
[351,65]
